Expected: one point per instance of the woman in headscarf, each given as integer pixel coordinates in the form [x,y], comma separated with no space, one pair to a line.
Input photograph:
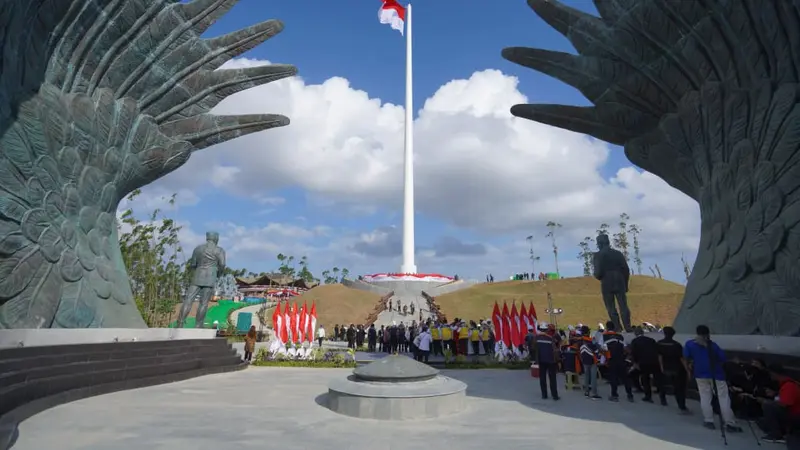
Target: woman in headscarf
[250,343]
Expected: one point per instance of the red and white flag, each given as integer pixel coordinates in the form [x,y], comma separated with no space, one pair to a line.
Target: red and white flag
[313,319]
[301,323]
[287,323]
[499,326]
[526,319]
[277,322]
[392,14]
[516,331]
[507,332]
[534,318]
[294,322]
[308,330]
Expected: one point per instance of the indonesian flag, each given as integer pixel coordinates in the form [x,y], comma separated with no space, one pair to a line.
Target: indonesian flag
[301,323]
[532,314]
[507,322]
[497,321]
[313,316]
[515,325]
[308,330]
[294,322]
[277,322]
[525,319]
[287,323]
[392,14]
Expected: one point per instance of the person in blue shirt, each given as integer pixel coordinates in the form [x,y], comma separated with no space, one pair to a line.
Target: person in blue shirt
[704,360]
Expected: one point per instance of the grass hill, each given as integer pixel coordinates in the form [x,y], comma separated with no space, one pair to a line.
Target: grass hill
[337,304]
[650,299]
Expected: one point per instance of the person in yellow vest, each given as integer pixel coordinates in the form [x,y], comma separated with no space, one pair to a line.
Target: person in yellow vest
[436,336]
[475,338]
[447,337]
[486,338]
[463,338]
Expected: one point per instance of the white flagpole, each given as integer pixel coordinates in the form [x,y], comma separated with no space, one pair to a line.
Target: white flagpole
[408,170]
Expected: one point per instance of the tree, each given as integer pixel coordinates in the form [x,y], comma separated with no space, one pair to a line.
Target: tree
[634,231]
[621,238]
[344,273]
[154,259]
[286,266]
[532,256]
[587,255]
[603,229]
[553,226]
[305,274]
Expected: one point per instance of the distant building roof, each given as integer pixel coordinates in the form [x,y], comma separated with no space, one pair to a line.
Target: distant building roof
[274,279]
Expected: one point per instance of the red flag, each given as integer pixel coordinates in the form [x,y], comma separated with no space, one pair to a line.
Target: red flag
[312,325]
[507,325]
[525,319]
[497,321]
[301,323]
[515,325]
[534,318]
[276,321]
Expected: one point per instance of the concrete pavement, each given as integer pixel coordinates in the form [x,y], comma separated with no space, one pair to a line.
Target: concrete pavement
[279,408]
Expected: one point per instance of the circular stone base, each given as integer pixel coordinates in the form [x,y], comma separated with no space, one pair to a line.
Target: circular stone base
[436,397]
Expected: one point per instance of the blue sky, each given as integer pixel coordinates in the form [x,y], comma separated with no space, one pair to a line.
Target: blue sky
[473,216]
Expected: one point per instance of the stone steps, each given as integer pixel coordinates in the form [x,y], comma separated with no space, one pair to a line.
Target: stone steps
[37,378]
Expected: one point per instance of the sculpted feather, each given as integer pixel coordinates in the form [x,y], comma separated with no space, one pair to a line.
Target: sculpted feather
[98,98]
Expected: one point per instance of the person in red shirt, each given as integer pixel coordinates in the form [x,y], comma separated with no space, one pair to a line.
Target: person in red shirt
[783,412]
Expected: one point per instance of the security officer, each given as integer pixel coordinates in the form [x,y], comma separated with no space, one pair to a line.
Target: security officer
[617,369]
[547,358]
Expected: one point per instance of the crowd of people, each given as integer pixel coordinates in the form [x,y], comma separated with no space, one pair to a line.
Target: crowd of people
[749,390]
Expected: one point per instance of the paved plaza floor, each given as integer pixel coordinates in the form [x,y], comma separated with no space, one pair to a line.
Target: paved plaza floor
[279,408]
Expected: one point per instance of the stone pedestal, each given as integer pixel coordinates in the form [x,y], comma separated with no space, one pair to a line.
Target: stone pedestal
[396,388]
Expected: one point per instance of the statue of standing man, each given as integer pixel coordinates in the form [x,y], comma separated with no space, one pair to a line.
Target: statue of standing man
[208,264]
[611,268]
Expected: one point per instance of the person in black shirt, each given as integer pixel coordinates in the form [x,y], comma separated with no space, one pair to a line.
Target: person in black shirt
[670,358]
[617,370]
[644,351]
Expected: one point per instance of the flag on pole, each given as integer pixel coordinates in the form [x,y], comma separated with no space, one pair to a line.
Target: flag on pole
[516,332]
[301,323]
[277,321]
[287,323]
[308,329]
[497,321]
[294,322]
[392,14]
[532,314]
[313,319]
[525,319]
[507,324]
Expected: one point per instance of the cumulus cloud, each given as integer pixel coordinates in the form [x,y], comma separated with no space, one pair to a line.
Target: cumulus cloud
[477,167]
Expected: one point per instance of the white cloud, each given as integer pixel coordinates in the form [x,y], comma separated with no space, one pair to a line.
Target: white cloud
[477,167]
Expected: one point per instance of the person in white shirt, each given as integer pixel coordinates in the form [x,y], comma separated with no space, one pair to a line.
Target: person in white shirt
[423,343]
[320,335]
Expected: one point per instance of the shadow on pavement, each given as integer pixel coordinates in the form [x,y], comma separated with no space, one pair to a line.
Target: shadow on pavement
[654,420]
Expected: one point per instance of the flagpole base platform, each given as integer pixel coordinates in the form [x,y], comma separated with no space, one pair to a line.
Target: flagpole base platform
[396,388]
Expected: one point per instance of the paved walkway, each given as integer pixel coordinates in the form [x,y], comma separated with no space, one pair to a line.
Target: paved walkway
[278,408]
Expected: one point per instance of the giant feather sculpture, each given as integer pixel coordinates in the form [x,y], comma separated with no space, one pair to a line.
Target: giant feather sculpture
[704,94]
[98,98]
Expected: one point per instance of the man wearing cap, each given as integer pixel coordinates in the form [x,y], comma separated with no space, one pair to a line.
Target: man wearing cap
[547,358]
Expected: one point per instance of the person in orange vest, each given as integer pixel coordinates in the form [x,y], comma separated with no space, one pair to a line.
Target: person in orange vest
[617,369]
[589,352]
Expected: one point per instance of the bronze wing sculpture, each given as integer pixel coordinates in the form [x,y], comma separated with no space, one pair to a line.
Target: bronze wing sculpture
[704,94]
[98,98]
